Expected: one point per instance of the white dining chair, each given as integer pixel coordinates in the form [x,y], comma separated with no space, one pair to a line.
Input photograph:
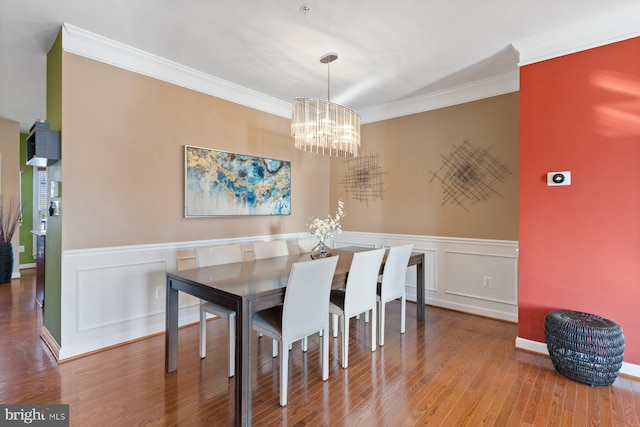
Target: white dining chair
[270,249]
[304,312]
[307,244]
[216,255]
[393,285]
[359,296]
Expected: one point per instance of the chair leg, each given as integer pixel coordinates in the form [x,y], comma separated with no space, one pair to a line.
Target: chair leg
[325,355]
[366,317]
[304,344]
[403,314]
[344,324]
[374,326]
[203,334]
[232,345]
[381,313]
[284,374]
[334,324]
[274,348]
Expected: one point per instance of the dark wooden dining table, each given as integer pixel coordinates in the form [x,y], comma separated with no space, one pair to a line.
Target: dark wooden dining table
[247,287]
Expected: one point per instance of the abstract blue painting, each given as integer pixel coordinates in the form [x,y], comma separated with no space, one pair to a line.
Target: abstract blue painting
[218,183]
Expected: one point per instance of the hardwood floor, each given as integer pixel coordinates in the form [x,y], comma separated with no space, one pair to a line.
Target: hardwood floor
[452,369]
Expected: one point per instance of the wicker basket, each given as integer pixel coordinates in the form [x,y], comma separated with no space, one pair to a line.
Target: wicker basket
[584,347]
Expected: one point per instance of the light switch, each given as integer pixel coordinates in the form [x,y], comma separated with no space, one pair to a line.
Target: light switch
[55,188]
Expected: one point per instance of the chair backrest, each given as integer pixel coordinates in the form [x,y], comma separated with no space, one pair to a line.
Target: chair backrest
[270,249]
[306,244]
[395,271]
[186,259]
[362,281]
[306,300]
[216,255]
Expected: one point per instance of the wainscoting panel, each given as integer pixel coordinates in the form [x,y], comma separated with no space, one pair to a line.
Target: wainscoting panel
[114,295]
[470,275]
[483,276]
[100,292]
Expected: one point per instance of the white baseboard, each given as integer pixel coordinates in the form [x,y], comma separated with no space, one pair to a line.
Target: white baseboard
[51,342]
[473,309]
[629,369]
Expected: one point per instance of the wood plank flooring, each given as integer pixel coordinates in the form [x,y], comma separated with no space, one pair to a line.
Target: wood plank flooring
[453,369]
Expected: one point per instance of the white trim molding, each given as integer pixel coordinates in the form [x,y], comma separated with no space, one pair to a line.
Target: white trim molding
[597,32]
[50,342]
[605,29]
[93,46]
[97,282]
[117,294]
[458,282]
[485,88]
[629,369]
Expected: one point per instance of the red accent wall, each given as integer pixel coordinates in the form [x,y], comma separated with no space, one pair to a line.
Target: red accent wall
[580,244]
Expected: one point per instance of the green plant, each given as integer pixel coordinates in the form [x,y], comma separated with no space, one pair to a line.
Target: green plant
[10,215]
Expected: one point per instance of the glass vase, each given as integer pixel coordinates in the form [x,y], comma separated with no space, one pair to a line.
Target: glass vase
[321,251]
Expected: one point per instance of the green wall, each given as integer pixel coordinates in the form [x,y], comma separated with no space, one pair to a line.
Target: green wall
[53,269]
[26,195]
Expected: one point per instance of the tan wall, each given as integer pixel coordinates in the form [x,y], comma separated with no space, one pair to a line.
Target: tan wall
[411,147]
[123,137]
[10,173]
[123,176]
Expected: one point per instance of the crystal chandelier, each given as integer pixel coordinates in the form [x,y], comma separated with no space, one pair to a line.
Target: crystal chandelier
[323,127]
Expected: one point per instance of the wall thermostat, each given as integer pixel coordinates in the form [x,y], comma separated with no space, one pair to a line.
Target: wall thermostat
[559,178]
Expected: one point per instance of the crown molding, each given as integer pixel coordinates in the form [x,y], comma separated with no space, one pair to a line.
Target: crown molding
[603,30]
[96,47]
[93,46]
[597,32]
[480,89]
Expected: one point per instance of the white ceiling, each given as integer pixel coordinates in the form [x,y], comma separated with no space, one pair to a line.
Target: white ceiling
[390,52]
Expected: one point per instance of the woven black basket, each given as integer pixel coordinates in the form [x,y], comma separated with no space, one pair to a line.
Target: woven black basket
[584,347]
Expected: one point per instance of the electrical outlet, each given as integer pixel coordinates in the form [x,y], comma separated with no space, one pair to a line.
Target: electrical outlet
[158,293]
[488,282]
[21,248]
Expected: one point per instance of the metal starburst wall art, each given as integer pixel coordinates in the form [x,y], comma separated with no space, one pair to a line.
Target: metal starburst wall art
[469,175]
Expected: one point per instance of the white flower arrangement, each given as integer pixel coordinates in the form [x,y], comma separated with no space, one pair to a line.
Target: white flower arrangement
[329,227]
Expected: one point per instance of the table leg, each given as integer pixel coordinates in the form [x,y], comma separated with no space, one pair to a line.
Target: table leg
[243,364]
[420,289]
[171,332]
